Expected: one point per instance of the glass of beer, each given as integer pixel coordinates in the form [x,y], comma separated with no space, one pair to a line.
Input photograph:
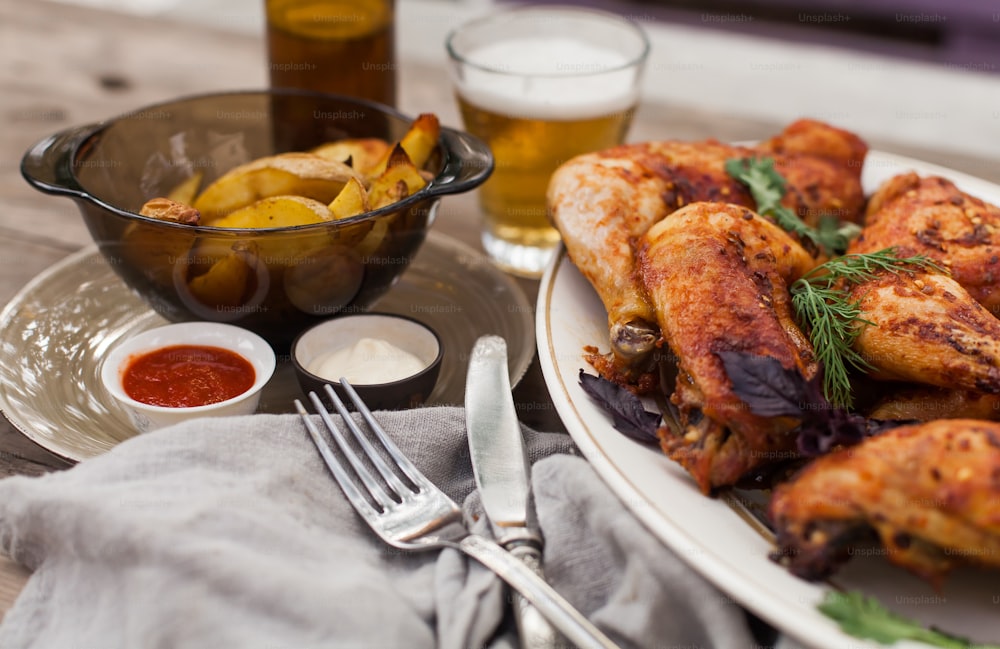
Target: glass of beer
[541,85]
[340,46]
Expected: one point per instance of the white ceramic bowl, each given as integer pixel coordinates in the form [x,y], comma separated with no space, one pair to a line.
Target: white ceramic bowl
[147,417]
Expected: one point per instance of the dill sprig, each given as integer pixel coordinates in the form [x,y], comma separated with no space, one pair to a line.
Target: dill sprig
[768,187]
[834,321]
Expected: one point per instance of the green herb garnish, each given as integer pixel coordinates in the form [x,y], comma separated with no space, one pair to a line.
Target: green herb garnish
[865,617]
[767,187]
[822,306]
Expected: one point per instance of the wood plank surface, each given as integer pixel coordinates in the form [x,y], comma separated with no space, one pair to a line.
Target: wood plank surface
[67,65]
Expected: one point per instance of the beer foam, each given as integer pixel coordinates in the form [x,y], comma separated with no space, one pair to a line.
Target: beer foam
[558,78]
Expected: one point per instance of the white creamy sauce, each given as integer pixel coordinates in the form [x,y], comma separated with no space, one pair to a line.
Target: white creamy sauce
[368,361]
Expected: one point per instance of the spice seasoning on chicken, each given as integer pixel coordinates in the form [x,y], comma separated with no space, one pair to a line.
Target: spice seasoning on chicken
[185,376]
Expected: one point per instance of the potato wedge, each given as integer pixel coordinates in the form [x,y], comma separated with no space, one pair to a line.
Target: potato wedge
[155,250]
[276,212]
[418,142]
[365,154]
[186,190]
[225,283]
[324,280]
[300,174]
[372,241]
[352,200]
[400,179]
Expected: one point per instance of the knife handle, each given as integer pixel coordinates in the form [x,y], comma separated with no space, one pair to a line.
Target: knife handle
[534,630]
[577,629]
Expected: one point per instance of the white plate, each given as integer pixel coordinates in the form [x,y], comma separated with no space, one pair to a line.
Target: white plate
[717,537]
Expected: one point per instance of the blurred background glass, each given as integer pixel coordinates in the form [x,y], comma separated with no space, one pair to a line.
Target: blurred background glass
[346,47]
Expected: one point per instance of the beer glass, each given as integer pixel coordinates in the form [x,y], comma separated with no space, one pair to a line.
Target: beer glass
[339,46]
[541,85]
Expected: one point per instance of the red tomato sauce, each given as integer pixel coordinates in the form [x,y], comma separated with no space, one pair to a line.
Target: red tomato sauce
[183,376]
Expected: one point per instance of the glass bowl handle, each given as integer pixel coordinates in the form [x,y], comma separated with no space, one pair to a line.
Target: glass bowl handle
[468,163]
[48,165]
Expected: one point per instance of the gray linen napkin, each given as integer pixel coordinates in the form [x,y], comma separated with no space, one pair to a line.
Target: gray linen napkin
[230,533]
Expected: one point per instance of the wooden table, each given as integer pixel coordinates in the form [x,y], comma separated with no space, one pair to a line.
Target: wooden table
[66,65]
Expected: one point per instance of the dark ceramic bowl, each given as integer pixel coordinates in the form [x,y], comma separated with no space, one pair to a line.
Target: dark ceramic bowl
[300,275]
[405,334]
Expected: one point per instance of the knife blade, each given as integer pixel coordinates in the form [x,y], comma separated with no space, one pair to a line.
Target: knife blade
[500,465]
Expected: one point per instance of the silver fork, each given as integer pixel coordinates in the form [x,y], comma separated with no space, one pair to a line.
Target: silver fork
[422,517]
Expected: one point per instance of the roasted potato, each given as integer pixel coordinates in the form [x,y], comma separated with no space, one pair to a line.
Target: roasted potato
[298,174]
[153,248]
[186,191]
[352,200]
[276,212]
[226,281]
[418,142]
[400,179]
[334,181]
[322,281]
[363,155]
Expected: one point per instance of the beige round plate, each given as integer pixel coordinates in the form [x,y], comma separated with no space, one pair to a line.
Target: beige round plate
[56,330]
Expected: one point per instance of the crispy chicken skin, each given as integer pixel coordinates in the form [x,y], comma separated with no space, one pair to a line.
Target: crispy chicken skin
[602,202]
[929,492]
[932,217]
[928,329]
[717,275]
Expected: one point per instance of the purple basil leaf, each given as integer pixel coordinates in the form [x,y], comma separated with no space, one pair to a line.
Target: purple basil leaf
[628,415]
[771,390]
[765,385]
[837,427]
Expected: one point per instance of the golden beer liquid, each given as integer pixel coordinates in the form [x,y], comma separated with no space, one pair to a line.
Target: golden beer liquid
[526,152]
[340,46]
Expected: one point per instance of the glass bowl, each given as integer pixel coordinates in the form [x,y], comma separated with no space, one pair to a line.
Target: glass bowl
[297,275]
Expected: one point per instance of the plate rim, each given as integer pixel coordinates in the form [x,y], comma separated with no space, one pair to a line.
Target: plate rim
[15,303]
[803,623]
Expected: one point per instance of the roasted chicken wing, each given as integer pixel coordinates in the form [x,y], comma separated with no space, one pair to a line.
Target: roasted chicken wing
[602,202]
[927,329]
[717,276]
[932,217]
[930,493]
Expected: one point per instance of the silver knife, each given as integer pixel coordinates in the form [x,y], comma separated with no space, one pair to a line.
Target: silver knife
[500,465]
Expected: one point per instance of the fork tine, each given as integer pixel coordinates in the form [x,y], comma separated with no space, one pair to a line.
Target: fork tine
[382,496]
[401,489]
[404,464]
[340,474]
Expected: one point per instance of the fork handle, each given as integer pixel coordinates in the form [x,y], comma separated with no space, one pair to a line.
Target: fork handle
[570,622]
[535,631]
